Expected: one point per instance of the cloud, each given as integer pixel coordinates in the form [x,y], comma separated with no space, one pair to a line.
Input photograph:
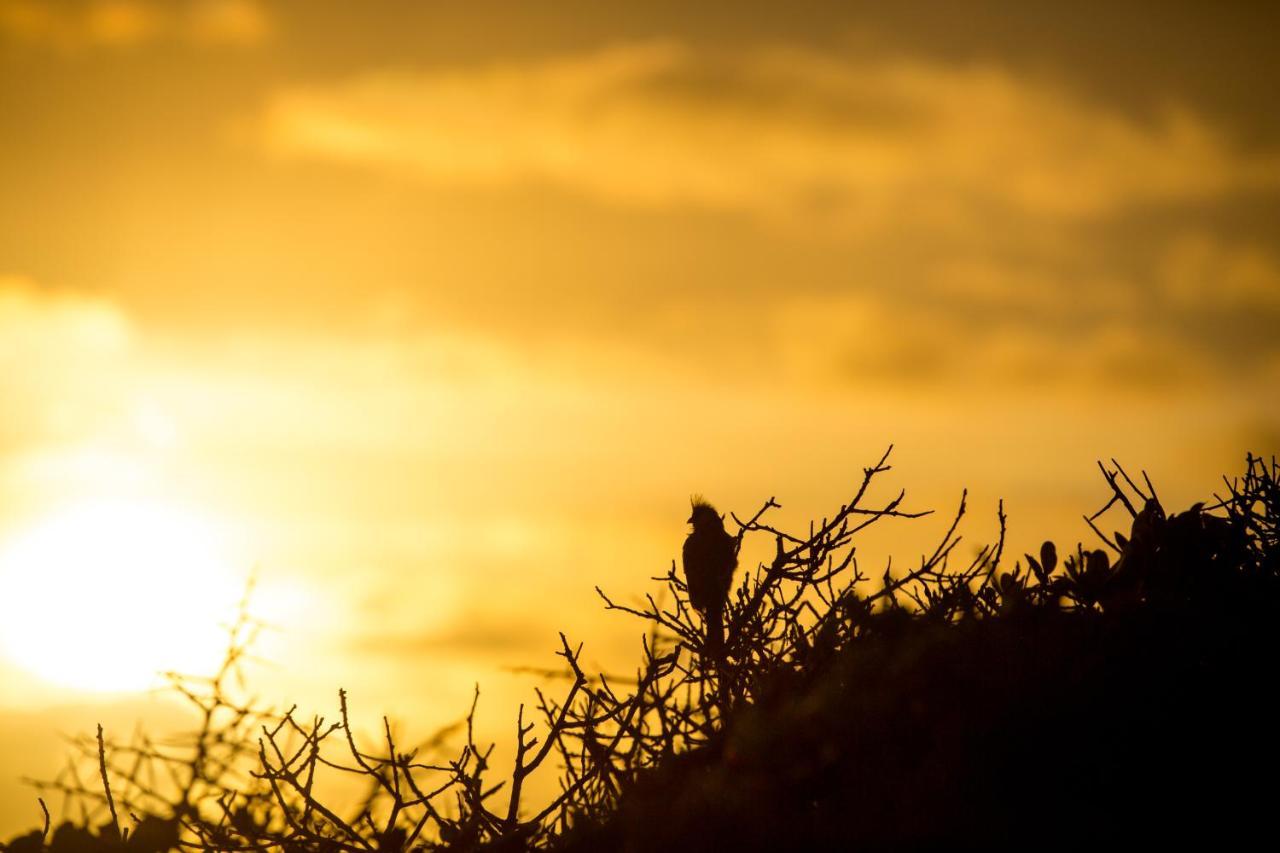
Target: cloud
[475,635]
[59,356]
[1201,272]
[1195,311]
[779,132]
[49,324]
[80,24]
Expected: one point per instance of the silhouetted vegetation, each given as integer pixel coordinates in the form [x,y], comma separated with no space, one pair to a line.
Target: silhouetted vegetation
[1102,695]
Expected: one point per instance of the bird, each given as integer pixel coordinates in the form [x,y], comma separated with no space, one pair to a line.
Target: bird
[710,556]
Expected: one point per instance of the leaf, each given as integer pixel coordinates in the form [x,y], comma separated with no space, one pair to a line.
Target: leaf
[1049,557]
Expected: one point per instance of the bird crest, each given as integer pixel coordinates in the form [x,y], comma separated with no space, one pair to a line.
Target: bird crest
[702,512]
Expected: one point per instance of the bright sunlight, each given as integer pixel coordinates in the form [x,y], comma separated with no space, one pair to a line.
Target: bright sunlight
[106,596]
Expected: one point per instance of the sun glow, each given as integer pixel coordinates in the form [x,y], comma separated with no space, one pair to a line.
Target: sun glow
[105,596]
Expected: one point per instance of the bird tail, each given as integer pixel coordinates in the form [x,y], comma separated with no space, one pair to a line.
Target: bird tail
[715,634]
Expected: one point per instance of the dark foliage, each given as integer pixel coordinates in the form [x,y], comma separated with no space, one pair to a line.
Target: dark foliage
[1120,694]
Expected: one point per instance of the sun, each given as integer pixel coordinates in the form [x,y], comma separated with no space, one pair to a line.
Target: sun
[105,596]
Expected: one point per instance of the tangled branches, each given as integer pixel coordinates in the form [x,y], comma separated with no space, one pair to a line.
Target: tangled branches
[249,778]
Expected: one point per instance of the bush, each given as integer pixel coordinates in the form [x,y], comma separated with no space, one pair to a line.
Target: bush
[1118,693]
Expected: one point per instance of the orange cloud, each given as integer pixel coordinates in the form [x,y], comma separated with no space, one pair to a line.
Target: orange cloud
[120,23]
[60,356]
[782,132]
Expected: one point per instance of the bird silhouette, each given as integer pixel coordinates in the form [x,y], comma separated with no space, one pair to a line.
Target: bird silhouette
[710,556]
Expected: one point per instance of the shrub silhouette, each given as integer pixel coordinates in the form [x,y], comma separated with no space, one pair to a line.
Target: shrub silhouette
[1118,694]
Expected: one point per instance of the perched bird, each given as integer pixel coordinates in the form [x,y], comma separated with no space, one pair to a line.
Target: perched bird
[710,556]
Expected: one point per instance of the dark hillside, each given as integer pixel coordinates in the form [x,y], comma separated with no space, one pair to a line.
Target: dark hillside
[1036,729]
[1101,703]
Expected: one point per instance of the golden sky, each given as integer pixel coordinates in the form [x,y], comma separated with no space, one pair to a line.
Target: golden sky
[437,313]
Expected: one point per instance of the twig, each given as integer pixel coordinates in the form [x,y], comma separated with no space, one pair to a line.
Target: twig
[106,785]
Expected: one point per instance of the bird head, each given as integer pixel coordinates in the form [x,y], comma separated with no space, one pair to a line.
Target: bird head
[704,516]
